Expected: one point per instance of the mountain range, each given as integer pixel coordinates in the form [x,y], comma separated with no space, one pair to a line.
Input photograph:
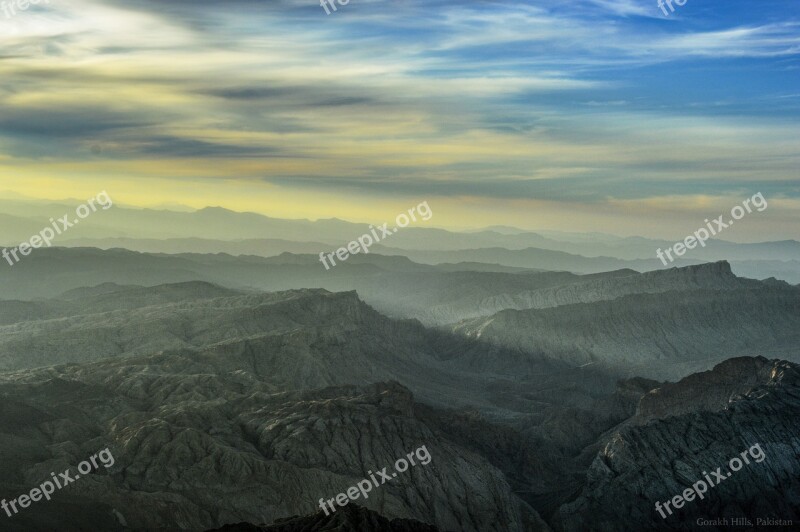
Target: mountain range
[219,230]
[236,390]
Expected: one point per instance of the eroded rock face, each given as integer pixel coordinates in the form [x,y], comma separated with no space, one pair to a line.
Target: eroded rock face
[655,461]
[450,298]
[195,450]
[300,339]
[188,315]
[709,390]
[226,407]
[663,336]
[351,518]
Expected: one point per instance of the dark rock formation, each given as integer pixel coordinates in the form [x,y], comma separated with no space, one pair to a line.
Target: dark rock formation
[653,462]
[351,518]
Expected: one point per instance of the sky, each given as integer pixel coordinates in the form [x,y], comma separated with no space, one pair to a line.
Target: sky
[585,115]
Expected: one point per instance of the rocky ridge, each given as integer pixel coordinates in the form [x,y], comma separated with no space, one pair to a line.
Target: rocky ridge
[661,336]
[654,461]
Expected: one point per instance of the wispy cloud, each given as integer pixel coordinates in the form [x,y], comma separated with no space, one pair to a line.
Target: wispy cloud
[770,40]
[625,8]
[488,100]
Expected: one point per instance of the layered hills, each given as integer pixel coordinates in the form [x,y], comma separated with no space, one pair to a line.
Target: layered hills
[688,327]
[227,405]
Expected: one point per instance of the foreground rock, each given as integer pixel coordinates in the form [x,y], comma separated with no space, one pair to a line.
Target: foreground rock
[653,462]
[351,518]
[195,450]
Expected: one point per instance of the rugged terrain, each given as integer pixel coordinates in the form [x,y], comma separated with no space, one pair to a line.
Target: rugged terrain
[199,449]
[653,461]
[658,335]
[228,405]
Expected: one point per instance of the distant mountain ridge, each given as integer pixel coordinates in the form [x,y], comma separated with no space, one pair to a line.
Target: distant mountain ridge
[215,230]
[660,335]
[589,289]
[396,286]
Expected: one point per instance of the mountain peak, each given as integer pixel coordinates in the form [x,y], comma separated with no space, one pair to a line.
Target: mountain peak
[710,390]
[720,267]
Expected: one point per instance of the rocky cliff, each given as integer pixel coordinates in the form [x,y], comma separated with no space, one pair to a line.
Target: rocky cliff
[652,462]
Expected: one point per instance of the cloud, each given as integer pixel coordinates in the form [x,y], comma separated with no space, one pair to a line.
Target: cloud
[588,188]
[771,40]
[570,101]
[640,8]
